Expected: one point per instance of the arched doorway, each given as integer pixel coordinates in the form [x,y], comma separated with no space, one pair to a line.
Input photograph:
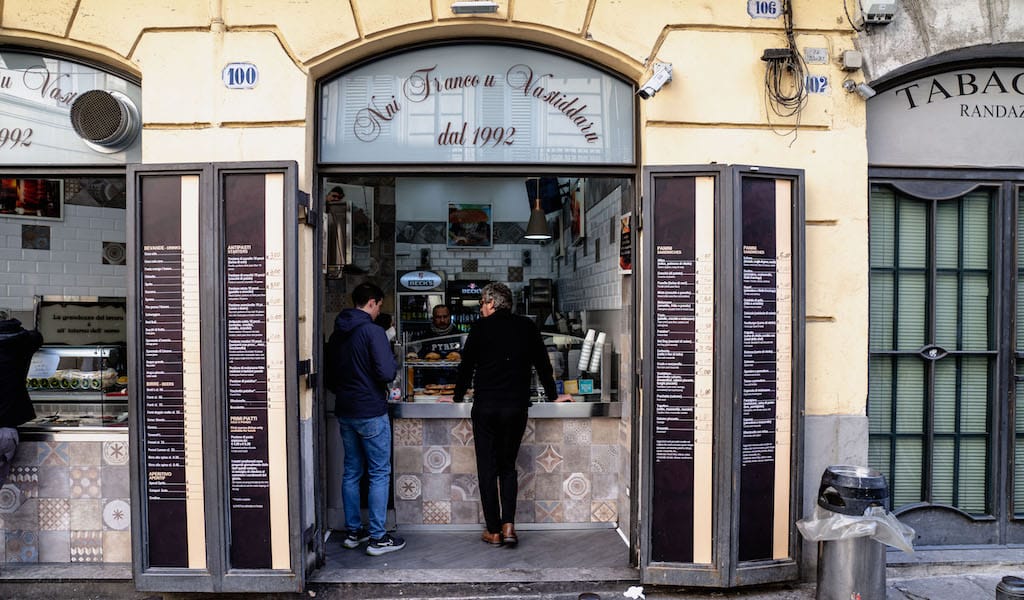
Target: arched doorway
[415,137]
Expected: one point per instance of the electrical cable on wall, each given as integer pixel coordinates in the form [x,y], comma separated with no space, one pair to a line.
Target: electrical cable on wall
[849,19]
[785,78]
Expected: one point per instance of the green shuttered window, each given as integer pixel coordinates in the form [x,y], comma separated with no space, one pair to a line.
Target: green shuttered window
[932,347]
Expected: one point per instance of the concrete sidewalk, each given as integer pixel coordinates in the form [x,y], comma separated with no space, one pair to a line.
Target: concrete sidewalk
[961,574]
[940,587]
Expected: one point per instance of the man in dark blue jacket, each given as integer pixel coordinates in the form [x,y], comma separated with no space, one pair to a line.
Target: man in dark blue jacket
[360,365]
[17,345]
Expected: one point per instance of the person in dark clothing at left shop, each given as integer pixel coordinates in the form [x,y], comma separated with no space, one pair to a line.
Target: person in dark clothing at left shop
[500,350]
[17,345]
[360,365]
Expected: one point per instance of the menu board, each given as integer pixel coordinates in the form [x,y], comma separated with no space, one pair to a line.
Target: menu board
[766,356]
[172,430]
[246,270]
[683,296]
[254,291]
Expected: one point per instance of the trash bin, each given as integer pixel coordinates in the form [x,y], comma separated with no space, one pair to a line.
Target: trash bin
[852,567]
[852,527]
[1010,588]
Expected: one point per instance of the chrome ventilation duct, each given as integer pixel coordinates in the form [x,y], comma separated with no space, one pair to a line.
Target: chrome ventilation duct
[107,121]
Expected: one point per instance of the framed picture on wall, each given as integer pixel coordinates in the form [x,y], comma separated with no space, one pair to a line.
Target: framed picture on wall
[32,198]
[469,225]
[577,214]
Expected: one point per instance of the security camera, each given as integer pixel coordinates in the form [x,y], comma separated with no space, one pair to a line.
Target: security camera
[863,90]
[662,75]
[878,12]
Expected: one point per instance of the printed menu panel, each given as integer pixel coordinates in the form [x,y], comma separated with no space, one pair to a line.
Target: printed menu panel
[683,297]
[254,288]
[170,390]
[246,289]
[766,360]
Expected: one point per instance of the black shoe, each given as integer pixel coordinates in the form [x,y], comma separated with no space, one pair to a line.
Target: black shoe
[354,538]
[388,543]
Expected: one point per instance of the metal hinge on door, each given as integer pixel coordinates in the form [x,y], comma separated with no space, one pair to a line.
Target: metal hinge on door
[305,367]
[307,216]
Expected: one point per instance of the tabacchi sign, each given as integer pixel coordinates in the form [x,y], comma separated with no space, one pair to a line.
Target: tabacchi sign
[978,94]
[477,103]
[965,117]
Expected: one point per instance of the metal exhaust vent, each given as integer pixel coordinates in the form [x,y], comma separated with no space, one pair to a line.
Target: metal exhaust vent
[107,121]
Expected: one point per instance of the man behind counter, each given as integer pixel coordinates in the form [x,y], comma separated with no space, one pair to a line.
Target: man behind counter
[440,326]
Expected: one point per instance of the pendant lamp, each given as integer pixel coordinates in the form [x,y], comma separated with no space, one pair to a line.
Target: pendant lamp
[537,228]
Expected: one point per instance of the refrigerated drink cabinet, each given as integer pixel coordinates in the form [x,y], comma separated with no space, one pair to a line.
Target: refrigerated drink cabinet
[418,293]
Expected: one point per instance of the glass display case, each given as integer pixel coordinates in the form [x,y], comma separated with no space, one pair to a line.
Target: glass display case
[430,368]
[78,386]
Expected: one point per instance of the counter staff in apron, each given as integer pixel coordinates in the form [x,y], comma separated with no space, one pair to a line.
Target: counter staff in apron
[17,345]
[499,352]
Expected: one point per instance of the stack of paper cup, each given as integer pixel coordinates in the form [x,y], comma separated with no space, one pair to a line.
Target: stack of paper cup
[588,347]
[595,357]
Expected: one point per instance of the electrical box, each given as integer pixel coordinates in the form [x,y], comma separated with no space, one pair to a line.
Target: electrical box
[878,12]
[852,60]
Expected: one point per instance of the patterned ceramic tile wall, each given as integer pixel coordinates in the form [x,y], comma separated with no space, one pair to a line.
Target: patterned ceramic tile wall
[569,471]
[67,502]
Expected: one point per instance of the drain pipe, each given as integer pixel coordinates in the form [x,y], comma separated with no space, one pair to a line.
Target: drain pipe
[217,20]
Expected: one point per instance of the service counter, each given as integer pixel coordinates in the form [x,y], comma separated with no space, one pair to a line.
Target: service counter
[570,462]
[67,497]
[570,466]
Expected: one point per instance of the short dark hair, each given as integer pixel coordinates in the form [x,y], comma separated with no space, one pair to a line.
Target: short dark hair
[433,311]
[337,190]
[365,292]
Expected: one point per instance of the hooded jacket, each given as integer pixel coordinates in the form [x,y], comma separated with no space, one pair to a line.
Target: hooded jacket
[360,364]
[17,345]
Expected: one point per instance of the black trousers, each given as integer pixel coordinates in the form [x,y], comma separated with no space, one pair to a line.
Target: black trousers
[497,434]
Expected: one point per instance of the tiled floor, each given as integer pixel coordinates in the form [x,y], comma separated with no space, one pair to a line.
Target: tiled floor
[459,556]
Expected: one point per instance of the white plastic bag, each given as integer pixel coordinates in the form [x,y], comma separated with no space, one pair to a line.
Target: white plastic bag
[876,523]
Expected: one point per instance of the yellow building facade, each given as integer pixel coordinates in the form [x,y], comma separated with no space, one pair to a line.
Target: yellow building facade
[716,111]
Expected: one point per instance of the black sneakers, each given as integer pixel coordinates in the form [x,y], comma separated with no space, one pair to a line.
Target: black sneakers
[354,538]
[388,543]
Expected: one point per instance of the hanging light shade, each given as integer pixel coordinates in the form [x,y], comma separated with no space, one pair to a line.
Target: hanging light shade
[537,228]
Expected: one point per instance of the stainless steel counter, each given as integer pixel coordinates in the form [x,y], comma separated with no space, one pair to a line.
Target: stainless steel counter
[85,433]
[540,410]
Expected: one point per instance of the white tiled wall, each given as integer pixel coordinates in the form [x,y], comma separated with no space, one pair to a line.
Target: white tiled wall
[595,285]
[494,261]
[73,266]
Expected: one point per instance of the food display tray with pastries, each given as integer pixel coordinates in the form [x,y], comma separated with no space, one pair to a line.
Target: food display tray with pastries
[434,358]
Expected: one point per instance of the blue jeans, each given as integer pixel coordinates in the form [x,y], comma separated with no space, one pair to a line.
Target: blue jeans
[367,444]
